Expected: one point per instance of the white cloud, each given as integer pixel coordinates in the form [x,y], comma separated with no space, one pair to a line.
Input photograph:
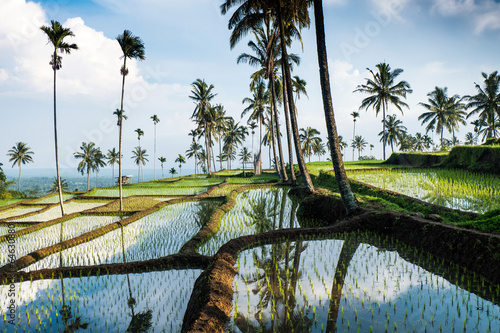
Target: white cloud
[485,14]
[3,75]
[393,7]
[344,75]
[439,68]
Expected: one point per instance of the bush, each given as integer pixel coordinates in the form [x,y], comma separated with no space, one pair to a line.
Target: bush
[416,159]
[367,158]
[474,158]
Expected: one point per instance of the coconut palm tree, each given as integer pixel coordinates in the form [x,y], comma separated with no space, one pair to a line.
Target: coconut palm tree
[342,144]
[394,130]
[245,157]
[172,171]
[257,105]
[55,185]
[486,102]
[221,122]
[308,137]
[140,158]
[235,135]
[132,48]
[354,116]
[470,139]
[98,163]
[86,155]
[181,160]
[194,151]
[56,35]
[359,143]
[20,154]
[113,159]
[443,112]
[140,133]
[252,125]
[383,90]
[318,148]
[162,160]
[204,114]
[155,120]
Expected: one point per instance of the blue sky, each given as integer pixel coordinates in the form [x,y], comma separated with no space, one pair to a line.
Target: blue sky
[437,43]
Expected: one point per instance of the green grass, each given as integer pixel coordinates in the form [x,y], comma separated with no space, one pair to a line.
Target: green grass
[9,202]
[315,167]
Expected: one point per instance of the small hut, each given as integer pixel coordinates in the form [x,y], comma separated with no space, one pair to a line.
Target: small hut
[125,180]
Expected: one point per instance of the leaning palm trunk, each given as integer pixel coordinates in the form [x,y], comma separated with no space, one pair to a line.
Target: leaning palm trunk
[284,176]
[348,198]
[298,151]
[288,135]
[272,143]
[384,105]
[207,148]
[56,146]
[19,181]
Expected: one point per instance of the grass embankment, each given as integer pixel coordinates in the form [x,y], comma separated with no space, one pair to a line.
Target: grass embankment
[416,159]
[375,198]
[474,158]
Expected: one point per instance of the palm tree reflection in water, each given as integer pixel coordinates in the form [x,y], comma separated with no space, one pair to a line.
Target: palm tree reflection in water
[140,322]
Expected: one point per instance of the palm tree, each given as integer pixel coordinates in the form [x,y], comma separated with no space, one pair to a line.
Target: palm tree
[155,120]
[98,163]
[359,143]
[139,134]
[86,155]
[257,104]
[181,160]
[56,35]
[354,116]
[162,160]
[20,154]
[55,185]
[470,139]
[203,113]
[371,148]
[194,151]
[342,144]
[383,90]
[318,148]
[309,137]
[394,130]
[443,112]
[113,158]
[245,156]
[487,102]
[132,48]
[140,158]
[252,125]
[172,171]
[235,135]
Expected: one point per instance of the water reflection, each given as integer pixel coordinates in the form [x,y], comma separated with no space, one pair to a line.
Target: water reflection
[349,285]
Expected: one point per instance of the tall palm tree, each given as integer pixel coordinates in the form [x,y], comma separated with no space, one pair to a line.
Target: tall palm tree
[487,102]
[132,48]
[55,185]
[257,105]
[394,131]
[20,154]
[181,160]
[203,113]
[318,148]
[309,137]
[359,143]
[86,155]
[172,171]
[252,125]
[354,116]
[140,158]
[244,157]
[162,160]
[383,90]
[235,135]
[56,35]
[155,120]
[113,159]
[221,122]
[443,112]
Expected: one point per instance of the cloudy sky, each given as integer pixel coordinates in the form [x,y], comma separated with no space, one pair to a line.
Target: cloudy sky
[446,43]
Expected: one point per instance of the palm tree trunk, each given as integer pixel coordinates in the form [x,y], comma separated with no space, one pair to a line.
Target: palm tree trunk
[113,173]
[220,153]
[288,134]
[278,137]
[383,128]
[353,136]
[207,147]
[348,198]
[260,146]
[272,128]
[120,138]
[97,178]
[298,151]
[19,181]
[154,155]
[55,144]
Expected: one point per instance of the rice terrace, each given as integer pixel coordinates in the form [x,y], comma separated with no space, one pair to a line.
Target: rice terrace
[240,217]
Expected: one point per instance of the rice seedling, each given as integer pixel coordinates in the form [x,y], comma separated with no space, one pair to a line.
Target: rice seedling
[54,198]
[370,289]
[160,190]
[156,235]
[107,303]
[255,211]
[52,235]
[55,212]
[18,211]
[458,189]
